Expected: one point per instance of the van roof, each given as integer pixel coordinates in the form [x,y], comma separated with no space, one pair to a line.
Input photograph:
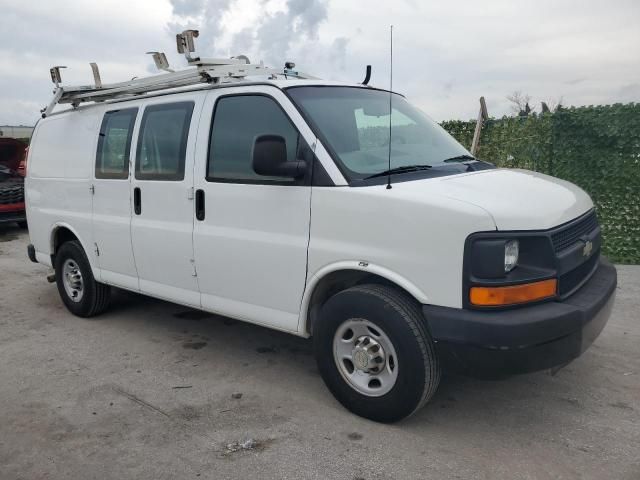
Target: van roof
[281,84]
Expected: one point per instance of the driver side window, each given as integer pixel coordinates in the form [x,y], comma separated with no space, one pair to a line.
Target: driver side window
[237,121]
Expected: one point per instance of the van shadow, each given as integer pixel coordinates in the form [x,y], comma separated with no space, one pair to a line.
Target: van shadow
[198,323]
[496,404]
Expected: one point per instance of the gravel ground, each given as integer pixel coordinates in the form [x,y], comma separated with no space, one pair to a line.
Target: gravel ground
[154,390]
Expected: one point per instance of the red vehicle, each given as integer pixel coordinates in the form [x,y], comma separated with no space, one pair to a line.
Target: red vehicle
[13,156]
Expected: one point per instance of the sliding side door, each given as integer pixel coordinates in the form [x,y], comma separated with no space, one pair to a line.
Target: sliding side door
[111,187]
[162,221]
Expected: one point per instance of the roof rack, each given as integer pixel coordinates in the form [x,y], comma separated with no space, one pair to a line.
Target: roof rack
[203,70]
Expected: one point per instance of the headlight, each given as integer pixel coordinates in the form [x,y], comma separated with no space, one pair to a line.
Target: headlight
[511,251]
[490,276]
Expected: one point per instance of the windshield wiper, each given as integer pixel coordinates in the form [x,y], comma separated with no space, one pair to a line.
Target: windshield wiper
[460,158]
[405,169]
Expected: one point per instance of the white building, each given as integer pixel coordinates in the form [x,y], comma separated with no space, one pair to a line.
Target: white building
[19,131]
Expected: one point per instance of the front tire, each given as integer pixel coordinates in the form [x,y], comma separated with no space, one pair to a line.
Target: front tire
[80,292]
[375,354]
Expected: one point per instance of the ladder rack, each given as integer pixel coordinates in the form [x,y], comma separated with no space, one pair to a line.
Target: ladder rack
[200,71]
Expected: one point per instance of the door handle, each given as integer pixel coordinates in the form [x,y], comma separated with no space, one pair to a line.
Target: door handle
[200,205]
[137,201]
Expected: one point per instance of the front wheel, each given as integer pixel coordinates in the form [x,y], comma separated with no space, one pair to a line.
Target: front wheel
[80,292]
[375,354]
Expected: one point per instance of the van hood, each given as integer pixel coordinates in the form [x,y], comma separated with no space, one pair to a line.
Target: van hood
[519,199]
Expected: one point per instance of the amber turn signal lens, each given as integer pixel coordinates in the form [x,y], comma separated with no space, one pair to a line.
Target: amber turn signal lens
[513,294]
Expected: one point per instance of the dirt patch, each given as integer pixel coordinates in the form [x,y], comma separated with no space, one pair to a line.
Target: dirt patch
[248,445]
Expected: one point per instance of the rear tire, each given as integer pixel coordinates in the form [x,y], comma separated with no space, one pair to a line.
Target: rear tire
[23,225]
[80,292]
[399,370]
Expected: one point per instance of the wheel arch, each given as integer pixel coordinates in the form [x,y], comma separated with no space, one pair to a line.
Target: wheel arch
[62,232]
[334,278]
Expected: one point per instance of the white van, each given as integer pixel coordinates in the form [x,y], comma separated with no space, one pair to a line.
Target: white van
[269,202]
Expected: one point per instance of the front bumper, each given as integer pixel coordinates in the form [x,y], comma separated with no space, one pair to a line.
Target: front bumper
[525,339]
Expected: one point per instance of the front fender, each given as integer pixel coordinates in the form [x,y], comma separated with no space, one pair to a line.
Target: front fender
[360,265]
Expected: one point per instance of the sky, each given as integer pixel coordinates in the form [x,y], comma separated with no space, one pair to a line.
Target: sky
[446,53]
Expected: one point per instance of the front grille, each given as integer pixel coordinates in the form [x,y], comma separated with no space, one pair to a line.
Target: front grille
[11,193]
[573,279]
[568,236]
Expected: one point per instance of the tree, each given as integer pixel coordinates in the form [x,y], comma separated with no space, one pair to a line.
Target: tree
[554,103]
[520,102]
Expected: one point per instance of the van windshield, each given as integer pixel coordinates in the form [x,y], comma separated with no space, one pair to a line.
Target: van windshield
[354,122]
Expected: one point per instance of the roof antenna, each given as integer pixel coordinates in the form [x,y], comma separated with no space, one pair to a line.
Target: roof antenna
[367,76]
[390,111]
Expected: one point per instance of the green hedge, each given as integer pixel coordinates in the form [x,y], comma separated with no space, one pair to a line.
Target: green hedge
[595,147]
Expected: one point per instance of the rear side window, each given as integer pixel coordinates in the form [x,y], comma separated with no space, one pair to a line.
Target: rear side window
[237,121]
[114,144]
[162,142]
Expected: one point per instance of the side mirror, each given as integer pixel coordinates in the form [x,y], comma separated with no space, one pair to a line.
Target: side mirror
[269,157]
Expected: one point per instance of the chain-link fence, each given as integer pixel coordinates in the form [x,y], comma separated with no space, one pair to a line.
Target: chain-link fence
[595,147]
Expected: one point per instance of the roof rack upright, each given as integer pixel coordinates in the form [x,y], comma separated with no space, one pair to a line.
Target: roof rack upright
[201,70]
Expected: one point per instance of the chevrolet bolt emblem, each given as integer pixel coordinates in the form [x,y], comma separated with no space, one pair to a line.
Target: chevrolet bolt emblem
[588,247]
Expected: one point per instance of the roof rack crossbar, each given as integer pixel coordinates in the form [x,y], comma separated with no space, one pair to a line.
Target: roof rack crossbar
[200,70]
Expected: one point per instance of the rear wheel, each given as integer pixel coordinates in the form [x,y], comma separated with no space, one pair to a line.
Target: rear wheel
[375,353]
[80,292]
[23,224]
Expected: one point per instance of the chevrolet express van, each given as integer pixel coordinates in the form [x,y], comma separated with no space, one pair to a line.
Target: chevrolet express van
[269,202]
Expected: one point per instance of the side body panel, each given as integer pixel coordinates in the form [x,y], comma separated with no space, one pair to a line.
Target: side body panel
[59,179]
[416,241]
